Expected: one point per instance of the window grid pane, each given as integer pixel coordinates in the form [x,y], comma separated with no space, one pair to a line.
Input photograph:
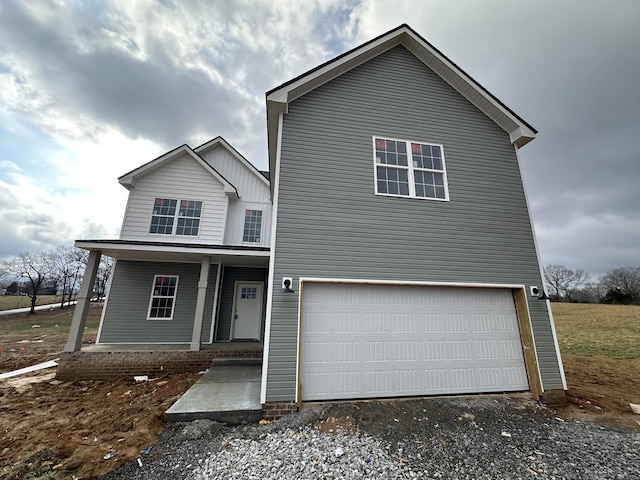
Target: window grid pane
[163,297]
[164,206]
[248,293]
[190,208]
[188,226]
[252,226]
[393,181]
[161,225]
[391,152]
[426,156]
[429,184]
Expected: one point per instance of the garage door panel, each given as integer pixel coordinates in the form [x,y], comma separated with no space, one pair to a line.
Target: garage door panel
[370,341]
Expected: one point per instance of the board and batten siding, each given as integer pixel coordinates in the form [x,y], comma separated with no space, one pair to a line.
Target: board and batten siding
[332,225]
[125,318]
[183,178]
[245,178]
[253,192]
[231,275]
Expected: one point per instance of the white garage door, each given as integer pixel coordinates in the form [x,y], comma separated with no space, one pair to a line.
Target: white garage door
[369,341]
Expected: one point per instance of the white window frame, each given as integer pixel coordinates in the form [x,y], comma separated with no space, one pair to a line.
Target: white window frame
[176,217]
[244,220]
[410,169]
[174,297]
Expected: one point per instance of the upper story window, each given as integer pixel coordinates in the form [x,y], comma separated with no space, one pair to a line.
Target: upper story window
[163,297]
[252,226]
[410,169]
[167,218]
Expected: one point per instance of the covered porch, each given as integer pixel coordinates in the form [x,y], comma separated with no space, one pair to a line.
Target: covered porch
[171,297]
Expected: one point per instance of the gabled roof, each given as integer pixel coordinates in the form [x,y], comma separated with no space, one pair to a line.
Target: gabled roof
[128,180]
[219,141]
[519,131]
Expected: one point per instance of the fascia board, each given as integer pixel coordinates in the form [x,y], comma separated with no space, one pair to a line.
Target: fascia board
[424,51]
[88,245]
[129,179]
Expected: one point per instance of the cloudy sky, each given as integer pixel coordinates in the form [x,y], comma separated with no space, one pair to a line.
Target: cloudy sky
[90,90]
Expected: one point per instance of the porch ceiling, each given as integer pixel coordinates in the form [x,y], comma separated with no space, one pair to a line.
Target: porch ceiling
[178,252]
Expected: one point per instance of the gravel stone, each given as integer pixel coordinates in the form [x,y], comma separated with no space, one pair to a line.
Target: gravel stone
[424,439]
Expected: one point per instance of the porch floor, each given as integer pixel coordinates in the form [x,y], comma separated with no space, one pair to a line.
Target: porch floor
[169,347]
[228,392]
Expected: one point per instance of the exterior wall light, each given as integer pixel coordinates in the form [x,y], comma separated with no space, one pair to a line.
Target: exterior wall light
[286,285]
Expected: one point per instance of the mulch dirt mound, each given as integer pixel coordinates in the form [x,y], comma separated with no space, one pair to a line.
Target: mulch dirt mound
[68,428]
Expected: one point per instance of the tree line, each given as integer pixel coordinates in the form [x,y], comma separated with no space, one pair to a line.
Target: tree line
[617,286]
[52,272]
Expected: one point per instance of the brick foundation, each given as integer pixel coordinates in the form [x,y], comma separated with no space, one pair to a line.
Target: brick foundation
[275,410]
[112,365]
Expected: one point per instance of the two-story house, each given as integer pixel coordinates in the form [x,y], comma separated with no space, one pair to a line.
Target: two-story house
[192,258]
[392,254]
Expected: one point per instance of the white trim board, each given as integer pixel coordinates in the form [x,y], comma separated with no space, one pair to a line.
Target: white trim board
[171,249]
[365,281]
[275,182]
[549,312]
[32,368]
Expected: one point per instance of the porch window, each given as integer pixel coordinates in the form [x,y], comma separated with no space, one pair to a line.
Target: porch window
[166,215]
[252,226]
[163,297]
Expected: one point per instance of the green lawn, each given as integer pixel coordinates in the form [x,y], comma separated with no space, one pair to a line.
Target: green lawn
[9,302]
[50,322]
[606,330]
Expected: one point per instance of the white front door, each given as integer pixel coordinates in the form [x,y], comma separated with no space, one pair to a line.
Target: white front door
[247,311]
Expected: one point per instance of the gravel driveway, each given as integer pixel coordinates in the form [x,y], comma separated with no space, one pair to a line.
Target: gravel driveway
[477,438]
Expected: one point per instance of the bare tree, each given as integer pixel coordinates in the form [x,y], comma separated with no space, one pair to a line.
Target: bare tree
[102,278]
[34,268]
[69,264]
[626,280]
[4,274]
[591,292]
[563,282]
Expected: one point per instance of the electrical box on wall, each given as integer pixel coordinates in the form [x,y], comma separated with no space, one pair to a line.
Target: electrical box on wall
[535,291]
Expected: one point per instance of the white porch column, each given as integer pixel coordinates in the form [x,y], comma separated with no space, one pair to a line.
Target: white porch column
[74,342]
[202,295]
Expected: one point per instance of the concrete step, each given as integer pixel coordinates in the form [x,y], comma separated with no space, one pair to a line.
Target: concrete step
[235,361]
[226,393]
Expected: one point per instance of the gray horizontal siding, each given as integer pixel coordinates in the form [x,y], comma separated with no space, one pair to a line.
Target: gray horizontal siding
[331,224]
[231,275]
[125,318]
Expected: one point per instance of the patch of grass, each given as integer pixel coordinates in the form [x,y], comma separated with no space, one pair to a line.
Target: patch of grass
[48,321]
[9,302]
[605,330]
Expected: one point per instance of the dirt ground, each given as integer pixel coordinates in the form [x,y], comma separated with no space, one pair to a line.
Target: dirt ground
[51,429]
[601,389]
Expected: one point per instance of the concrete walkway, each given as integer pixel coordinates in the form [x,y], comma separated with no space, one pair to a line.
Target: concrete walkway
[229,392]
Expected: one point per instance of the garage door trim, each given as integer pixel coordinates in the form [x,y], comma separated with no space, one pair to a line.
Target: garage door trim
[520,303]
